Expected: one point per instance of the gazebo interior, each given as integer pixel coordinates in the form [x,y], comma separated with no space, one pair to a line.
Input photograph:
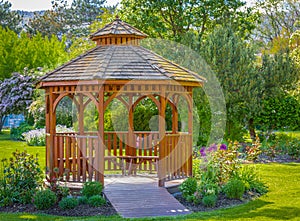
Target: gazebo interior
[119,70]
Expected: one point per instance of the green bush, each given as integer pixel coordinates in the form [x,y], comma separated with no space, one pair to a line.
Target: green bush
[249,176]
[82,200]
[234,189]
[96,201]
[209,200]
[62,192]
[44,199]
[91,189]
[16,133]
[21,178]
[68,203]
[281,143]
[188,187]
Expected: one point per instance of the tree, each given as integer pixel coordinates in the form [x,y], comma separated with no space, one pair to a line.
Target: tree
[15,95]
[175,19]
[74,21]
[278,22]
[19,52]
[233,62]
[9,19]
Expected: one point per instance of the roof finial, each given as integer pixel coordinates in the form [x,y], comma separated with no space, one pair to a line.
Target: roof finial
[117,18]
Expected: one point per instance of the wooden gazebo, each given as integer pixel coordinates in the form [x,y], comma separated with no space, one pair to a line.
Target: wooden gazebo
[119,68]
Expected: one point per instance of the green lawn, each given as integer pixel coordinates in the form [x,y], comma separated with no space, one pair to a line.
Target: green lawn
[8,146]
[281,203]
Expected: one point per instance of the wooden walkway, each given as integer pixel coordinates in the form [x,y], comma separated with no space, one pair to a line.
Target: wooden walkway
[135,197]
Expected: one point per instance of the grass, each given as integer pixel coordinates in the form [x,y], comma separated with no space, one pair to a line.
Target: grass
[8,146]
[281,203]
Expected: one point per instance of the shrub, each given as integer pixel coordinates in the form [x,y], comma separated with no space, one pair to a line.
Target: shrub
[82,200]
[68,203]
[38,137]
[234,189]
[21,177]
[44,199]
[209,200]
[96,201]
[188,187]
[62,192]
[249,176]
[91,189]
[16,133]
[35,137]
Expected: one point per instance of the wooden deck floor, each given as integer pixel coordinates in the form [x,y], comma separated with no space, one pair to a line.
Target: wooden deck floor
[135,197]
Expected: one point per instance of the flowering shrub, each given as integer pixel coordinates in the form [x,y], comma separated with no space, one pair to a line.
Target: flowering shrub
[21,178]
[219,164]
[37,137]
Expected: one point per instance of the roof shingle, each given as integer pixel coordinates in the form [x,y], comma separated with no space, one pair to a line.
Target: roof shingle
[121,62]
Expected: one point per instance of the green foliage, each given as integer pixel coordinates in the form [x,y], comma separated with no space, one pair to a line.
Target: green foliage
[16,132]
[9,19]
[251,179]
[68,203]
[62,192]
[280,143]
[21,178]
[96,201]
[233,63]
[44,199]
[234,189]
[209,200]
[280,113]
[186,20]
[188,187]
[19,52]
[90,189]
[253,150]
[73,19]
[82,200]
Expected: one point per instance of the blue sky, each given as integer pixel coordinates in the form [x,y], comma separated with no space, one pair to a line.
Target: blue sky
[34,5]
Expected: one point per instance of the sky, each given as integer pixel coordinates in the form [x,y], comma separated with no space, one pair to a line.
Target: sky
[36,5]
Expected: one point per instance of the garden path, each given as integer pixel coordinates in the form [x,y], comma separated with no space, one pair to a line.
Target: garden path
[136,196]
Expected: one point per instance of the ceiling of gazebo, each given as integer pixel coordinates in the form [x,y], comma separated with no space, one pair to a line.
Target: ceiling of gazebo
[121,62]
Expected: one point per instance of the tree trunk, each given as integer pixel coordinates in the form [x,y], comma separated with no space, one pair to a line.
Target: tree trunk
[252,129]
[2,119]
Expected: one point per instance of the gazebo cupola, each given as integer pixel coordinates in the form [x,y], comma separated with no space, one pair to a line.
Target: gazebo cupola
[119,68]
[118,33]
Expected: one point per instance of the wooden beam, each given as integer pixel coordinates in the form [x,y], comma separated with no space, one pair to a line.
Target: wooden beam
[100,150]
[162,133]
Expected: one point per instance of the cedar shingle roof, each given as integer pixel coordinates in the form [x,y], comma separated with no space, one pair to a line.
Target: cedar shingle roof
[121,62]
[118,27]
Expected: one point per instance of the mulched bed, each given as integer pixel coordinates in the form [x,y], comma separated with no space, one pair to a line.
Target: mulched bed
[81,210]
[222,202]
[279,158]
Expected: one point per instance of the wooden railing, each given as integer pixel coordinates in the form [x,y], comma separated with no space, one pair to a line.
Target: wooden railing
[176,157]
[74,154]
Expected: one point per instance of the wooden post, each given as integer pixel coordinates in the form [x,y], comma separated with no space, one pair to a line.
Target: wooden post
[81,115]
[162,133]
[130,140]
[190,132]
[52,130]
[47,99]
[100,150]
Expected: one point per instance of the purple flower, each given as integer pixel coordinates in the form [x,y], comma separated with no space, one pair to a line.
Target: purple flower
[223,147]
[212,148]
[202,152]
